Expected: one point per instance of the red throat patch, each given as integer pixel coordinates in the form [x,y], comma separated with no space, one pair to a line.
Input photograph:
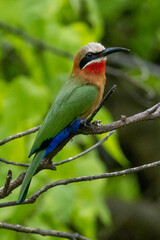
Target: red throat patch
[96,67]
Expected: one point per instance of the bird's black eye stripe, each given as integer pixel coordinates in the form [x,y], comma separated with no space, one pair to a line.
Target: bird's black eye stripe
[87,58]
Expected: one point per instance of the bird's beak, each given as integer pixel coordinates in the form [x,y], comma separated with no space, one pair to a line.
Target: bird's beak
[108,51]
[86,60]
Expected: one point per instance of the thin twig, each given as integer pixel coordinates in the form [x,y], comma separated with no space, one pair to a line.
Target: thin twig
[42,232]
[19,135]
[34,41]
[14,163]
[106,97]
[86,151]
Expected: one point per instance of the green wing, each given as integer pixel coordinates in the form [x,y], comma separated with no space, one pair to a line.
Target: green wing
[72,101]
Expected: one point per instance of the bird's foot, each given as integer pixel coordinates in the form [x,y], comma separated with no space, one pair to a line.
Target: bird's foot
[85,123]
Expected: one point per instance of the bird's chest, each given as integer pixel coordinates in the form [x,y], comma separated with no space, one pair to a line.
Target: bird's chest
[97,100]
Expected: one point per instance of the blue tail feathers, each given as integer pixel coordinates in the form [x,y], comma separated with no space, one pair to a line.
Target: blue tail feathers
[71,128]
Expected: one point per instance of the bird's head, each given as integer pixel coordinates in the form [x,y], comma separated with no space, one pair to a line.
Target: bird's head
[91,59]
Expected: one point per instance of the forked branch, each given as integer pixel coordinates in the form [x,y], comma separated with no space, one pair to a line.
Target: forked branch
[125,172]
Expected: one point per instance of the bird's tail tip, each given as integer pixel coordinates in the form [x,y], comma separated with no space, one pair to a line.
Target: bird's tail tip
[22,195]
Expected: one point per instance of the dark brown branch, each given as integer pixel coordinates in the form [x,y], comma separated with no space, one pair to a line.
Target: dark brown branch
[13,185]
[7,183]
[125,172]
[18,181]
[42,232]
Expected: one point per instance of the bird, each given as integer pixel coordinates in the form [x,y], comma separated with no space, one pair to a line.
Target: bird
[78,98]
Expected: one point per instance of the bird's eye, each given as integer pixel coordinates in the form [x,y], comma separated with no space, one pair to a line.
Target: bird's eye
[89,54]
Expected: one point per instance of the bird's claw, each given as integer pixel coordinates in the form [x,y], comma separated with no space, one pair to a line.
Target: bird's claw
[85,123]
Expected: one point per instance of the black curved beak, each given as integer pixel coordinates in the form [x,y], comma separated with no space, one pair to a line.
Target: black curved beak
[101,54]
[108,51]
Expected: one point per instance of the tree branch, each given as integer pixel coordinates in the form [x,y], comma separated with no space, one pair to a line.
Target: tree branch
[13,185]
[91,178]
[44,165]
[7,183]
[149,114]
[63,161]
[42,232]
[94,128]
[34,41]
[14,163]
[125,172]
[86,151]
[19,135]
[66,160]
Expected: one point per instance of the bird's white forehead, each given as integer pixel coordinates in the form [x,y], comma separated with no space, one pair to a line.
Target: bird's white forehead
[93,47]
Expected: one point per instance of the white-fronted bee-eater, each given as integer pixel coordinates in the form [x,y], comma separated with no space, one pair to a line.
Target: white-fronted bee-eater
[77,99]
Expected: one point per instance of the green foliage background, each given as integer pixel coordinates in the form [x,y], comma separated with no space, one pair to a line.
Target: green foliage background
[31,78]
